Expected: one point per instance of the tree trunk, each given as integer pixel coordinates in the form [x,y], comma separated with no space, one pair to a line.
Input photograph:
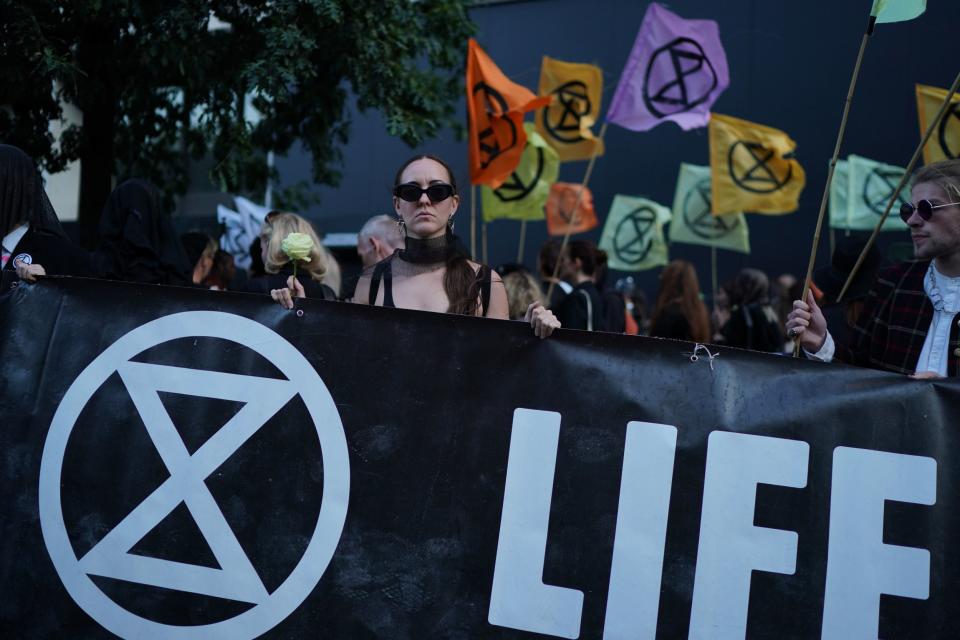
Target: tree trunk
[98,101]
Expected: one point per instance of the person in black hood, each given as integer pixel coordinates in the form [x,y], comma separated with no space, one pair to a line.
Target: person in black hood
[34,243]
[138,240]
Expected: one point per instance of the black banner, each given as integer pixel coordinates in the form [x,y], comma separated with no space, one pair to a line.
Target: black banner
[190,464]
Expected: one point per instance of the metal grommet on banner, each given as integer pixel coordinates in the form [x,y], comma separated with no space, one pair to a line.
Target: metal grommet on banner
[299,313]
[697,348]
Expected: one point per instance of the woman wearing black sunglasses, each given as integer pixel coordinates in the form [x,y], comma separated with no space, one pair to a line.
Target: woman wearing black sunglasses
[433,272]
[910,321]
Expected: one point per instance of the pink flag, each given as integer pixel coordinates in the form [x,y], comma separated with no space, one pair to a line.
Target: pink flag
[676,71]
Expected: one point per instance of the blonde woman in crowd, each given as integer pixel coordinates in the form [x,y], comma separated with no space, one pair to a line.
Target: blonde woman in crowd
[522,291]
[311,274]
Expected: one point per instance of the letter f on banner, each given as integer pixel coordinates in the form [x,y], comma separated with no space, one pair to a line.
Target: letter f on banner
[731,547]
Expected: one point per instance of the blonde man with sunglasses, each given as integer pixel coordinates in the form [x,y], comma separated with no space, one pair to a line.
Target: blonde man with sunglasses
[911,320]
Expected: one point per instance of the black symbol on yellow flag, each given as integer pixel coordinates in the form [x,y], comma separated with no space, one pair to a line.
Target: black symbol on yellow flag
[750,170]
[562,118]
[951,120]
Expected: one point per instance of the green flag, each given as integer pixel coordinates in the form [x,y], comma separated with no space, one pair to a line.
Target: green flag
[897,10]
[633,234]
[692,221]
[860,192]
[839,210]
[525,192]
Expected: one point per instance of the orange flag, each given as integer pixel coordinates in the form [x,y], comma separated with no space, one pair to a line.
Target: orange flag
[495,106]
[561,217]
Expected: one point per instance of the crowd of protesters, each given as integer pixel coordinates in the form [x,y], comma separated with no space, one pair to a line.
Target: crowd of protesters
[414,260]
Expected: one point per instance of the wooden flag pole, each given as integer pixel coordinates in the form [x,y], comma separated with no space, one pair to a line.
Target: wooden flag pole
[903,182]
[833,165]
[523,240]
[473,221]
[573,215]
[483,239]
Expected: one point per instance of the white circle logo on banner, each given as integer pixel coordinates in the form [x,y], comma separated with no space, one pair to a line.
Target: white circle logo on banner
[263,397]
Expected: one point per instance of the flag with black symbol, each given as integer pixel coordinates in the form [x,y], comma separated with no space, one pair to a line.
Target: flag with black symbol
[524,194]
[676,71]
[944,144]
[692,221]
[633,234]
[575,90]
[753,168]
[859,194]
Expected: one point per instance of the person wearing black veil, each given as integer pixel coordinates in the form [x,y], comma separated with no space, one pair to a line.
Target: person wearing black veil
[32,235]
[433,272]
[137,238]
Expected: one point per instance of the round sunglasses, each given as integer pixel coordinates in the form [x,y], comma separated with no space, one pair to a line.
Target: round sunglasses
[924,209]
[412,192]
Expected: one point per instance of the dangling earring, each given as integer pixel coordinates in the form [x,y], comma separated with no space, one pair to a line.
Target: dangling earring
[402,226]
[450,222]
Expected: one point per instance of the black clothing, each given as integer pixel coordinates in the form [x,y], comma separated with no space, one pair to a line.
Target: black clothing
[557,297]
[419,256]
[22,198]
[58,256]
[312,288]
[672,323]
[753,326]
[139,238]
[614,312]
[582,308]
[383,271]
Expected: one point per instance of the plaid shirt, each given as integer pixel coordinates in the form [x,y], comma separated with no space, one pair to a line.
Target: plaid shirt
[893,326]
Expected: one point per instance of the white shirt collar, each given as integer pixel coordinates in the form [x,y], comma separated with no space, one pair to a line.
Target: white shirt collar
[12,239]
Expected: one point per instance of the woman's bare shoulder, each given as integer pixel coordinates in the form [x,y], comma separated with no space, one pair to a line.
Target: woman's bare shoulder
[361,295]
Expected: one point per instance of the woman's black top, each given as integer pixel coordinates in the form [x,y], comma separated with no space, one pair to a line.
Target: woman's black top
[421,255]
[383,271]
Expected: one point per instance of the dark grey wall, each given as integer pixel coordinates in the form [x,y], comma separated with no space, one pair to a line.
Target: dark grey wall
[790,65]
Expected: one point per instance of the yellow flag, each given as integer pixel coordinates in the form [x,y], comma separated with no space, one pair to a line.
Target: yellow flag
[576,90]
[944,144]
[752,168]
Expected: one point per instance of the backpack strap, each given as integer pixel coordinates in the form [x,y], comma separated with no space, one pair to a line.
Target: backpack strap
[586,296]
